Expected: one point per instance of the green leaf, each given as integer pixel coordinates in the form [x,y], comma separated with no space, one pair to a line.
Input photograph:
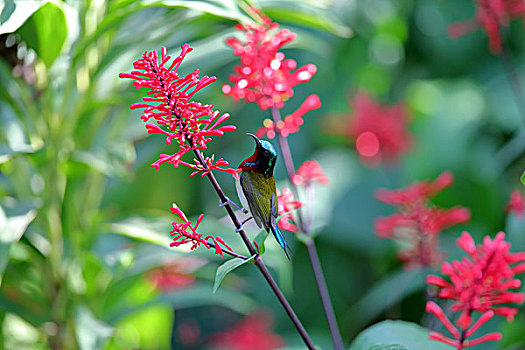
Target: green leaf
[309,17]
[11,229]
[226,268]
[396,335]
[45,32]
[149,230]
[91,333]
[523,178]
[220,8]
[385,293]
[259,240]
[14,13]
[388,347]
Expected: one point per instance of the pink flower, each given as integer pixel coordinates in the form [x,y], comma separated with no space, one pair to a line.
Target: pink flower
[482,282]
[492,15]
[251,333]
[185,233]
[292,122]
[287,204]
[380,133]
[309,172]
[264,75]
[191,124]
[417,223]
[460,340]
[516,204]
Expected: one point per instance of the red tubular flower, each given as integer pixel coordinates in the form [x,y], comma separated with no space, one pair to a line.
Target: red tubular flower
[309,172]
[264,75]
[292,122]
[191,124]
[380,133]
[492,15]
[482,282]
[286,206]
[516,204]
[251,333]
[185,233]
[417,222]
[460,339]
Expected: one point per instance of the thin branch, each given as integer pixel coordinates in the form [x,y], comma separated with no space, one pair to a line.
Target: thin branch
[312,250]
[510,69]
[229,252]
[258,260]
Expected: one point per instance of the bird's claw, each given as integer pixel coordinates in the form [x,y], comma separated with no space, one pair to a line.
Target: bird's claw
[232,203]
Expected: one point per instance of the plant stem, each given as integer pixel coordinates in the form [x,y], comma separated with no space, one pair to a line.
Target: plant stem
[513,148]
[325,296]
[312,250]
[510,69]
[258,260]
[229,252]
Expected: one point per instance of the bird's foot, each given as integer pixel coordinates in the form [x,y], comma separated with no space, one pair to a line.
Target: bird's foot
[232,203]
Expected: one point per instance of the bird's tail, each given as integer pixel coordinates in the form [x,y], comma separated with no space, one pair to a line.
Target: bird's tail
[280,238]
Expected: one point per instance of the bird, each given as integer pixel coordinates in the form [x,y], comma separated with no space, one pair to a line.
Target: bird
[256,188]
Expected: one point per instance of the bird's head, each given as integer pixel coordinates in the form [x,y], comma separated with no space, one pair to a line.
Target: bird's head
[263,158]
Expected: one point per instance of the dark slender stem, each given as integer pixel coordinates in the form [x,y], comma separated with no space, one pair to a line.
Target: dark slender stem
[312,250]
[229,252]
[288,163]
[325,296]
[510,69]
[258,260]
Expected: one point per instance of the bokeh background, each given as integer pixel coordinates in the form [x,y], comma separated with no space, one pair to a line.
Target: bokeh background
[84,221]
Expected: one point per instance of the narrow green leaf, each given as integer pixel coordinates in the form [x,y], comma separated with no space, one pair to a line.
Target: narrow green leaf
[226,268]
[523,178]
[389,347]
[221,8]
[148,230]
[45,32]
[11,229]
[259,240]
[309,18]
[13,14]
[385,293]
[398,335]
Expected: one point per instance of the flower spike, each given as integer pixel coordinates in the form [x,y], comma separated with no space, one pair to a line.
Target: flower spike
[169,105]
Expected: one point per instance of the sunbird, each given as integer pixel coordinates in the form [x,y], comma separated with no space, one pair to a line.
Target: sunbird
[256,188]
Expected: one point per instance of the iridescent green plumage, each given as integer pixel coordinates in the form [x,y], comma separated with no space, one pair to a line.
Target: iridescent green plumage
[257,188]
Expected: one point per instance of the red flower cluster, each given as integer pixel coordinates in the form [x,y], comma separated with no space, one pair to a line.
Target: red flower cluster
[292,122]
[417,222]
[251,333]
[182,236]
[480,284]
[264,76]
[492,15]
[177,117]
[176,274]
[380,133]
[460,340]
[516,204]
[310,171]
[287,204]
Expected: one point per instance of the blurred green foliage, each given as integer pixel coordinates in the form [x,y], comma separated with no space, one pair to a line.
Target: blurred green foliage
[84,219]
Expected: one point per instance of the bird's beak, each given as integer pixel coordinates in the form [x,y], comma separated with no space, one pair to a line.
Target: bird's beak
[255,138]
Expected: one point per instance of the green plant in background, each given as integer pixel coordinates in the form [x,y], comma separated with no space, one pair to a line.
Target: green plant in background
[84,257]
[65,278]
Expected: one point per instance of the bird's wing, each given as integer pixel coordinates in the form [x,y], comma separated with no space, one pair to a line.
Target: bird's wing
[259,197]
